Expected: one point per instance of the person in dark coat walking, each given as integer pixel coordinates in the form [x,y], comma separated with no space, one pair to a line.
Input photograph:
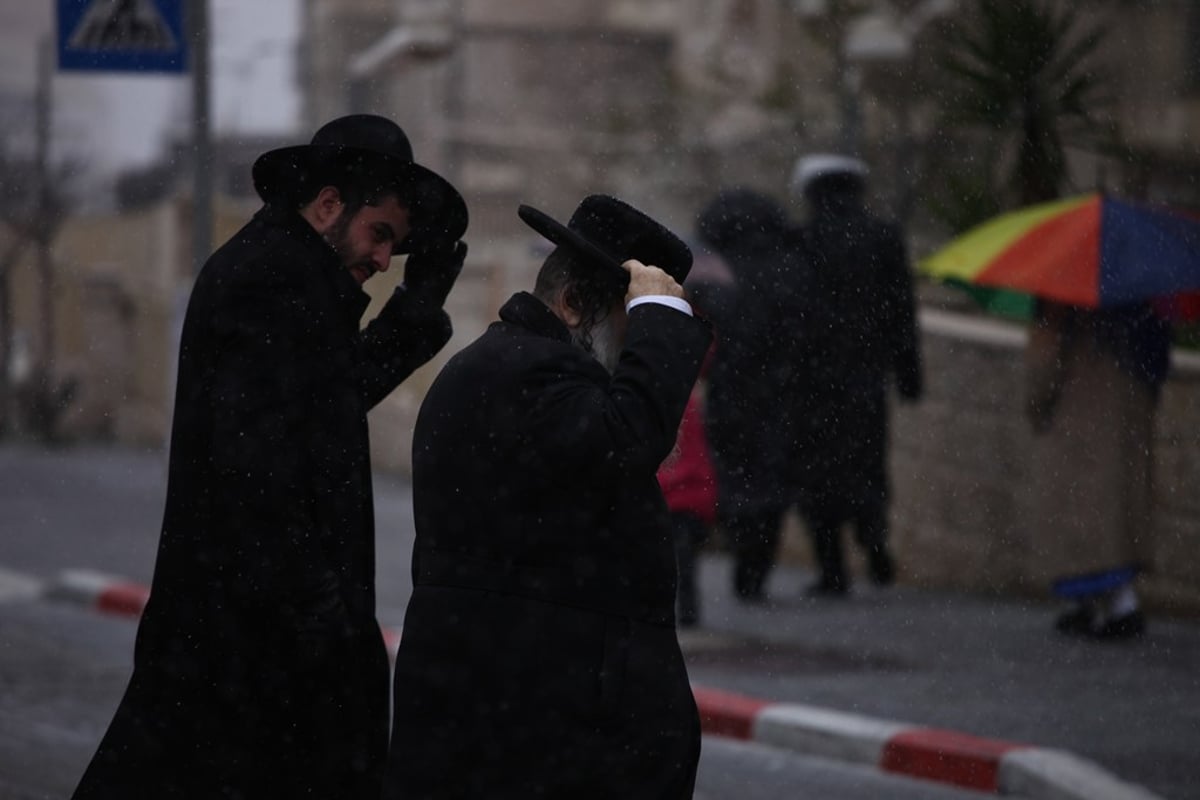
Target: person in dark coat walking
[859,330]
[259,668]
[748,426]
[539,656]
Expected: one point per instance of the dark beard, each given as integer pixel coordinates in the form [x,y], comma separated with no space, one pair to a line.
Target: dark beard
[338,237]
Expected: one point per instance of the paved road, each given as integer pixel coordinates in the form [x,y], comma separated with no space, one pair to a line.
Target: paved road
[62,671]
[980,665]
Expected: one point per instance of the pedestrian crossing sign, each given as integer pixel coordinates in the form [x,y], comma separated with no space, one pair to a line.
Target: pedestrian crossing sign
[121,35]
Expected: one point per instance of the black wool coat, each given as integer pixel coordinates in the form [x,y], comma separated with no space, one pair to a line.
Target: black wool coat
[857,332]
[539,656]
[751,428]
[259,668]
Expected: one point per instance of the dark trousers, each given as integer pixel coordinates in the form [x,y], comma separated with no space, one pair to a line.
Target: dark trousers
[870,530]
[754,538]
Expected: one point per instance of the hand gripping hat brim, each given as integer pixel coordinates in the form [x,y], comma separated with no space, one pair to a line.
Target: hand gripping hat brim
[606,232]
[369,147]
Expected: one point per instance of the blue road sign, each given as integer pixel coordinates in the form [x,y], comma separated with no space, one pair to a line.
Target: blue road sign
[122,36]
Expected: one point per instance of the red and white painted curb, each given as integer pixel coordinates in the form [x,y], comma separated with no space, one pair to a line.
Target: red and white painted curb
[988,765]
[110,595]
[19,586]
[100,592]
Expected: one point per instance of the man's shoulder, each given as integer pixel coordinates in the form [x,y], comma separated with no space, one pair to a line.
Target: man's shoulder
[257,255]
[507,352]
[504,367]
[507,344]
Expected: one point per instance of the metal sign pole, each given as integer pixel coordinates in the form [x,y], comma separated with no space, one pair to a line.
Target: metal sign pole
[202,186]
[43,215]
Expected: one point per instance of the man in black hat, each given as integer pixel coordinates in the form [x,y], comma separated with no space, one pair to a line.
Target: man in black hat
[859,332]
[539,656]
[259,669]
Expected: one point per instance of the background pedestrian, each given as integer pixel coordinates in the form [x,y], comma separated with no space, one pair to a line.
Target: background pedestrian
[859,331]
[1094,378]
[749,425]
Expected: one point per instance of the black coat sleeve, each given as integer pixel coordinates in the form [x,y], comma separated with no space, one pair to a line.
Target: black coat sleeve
[586,421]
[405,335]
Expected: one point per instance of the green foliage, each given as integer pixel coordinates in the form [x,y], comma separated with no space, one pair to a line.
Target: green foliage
[963,198]
[1026,73]
[782,94]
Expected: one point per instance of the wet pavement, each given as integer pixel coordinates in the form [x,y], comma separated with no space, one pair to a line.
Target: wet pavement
[983,665]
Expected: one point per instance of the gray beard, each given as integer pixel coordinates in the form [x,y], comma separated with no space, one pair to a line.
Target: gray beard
[600,342]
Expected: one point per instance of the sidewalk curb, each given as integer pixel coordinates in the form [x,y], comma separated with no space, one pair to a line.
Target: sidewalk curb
[19,586]
[99,591]
[989,765]
[112,595]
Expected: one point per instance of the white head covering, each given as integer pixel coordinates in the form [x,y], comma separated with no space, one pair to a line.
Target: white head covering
[809,168]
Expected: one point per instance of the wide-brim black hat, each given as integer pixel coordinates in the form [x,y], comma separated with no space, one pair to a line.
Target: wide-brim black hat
[374,148]
[606,232]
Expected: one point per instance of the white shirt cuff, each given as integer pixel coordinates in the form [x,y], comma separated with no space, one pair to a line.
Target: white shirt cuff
[677,303]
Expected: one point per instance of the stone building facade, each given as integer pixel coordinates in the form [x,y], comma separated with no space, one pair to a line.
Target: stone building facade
[664,101]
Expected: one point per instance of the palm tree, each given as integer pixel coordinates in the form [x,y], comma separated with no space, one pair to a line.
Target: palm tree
[1025,74]
[1020,82]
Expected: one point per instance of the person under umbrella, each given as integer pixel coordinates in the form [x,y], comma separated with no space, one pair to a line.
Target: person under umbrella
[1093,381]
[1106,275]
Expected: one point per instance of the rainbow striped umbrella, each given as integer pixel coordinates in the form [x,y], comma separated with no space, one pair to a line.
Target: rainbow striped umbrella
[1092,251]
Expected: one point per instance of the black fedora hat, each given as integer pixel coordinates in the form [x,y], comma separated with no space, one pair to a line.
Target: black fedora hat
[373,147]
[607,232]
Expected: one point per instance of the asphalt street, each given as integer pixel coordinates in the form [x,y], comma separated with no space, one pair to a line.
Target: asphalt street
[981,665]
[62,671]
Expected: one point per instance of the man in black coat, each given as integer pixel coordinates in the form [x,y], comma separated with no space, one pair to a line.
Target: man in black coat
[539,656]
[259,668]
[751,432]
[858,329]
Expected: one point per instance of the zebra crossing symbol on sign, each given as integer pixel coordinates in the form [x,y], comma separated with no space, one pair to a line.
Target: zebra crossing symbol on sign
[136,35]
[122,25]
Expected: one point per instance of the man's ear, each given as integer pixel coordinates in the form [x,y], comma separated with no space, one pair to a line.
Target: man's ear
[569,307]
[324,209]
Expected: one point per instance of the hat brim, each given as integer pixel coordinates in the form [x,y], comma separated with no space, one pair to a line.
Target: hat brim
[438,213]
[561,235]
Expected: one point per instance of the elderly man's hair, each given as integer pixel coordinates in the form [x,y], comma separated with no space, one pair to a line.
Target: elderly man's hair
[586,289]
